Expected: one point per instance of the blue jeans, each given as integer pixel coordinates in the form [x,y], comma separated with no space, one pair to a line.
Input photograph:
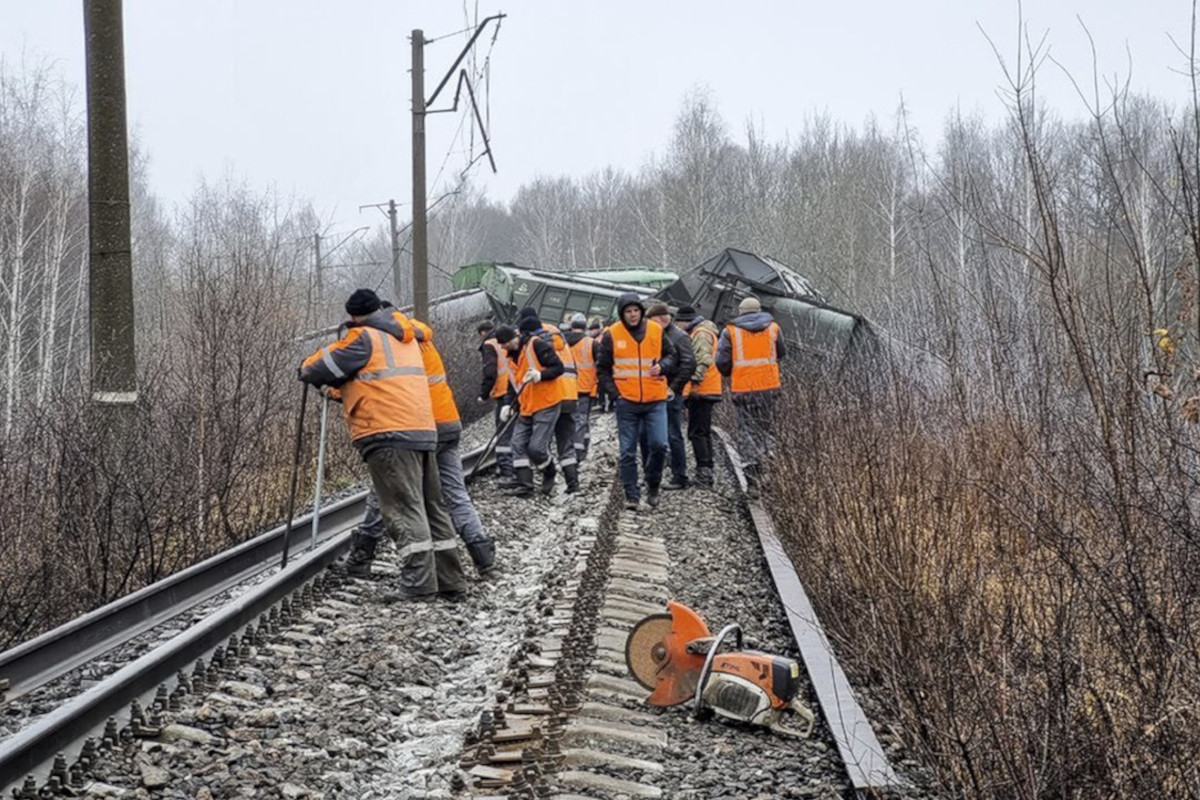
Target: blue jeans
[632,419]
[677,457]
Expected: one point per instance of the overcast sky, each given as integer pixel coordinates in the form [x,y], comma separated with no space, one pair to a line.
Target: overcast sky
[311,97]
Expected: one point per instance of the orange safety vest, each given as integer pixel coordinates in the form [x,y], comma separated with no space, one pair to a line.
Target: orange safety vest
[570,376]
[538,396]
[584,352]
[755,363]
[632,361]
[445,411]
[388,395]
[504,374]
[710,384]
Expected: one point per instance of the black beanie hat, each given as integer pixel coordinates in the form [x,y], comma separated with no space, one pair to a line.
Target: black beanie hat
[529,324]
[685,314]
[505,334]
[527,311]
[362,302]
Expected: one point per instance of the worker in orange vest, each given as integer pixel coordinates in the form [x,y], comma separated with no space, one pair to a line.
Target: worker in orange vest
[703,391]
[540,394]
[377,368]
[564,427]
[632,363]
[748,353]
[497,385]
[583,347]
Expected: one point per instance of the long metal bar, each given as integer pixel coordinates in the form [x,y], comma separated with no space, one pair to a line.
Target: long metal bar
[866,763]
[316,519]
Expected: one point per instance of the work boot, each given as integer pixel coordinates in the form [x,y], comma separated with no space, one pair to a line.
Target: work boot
[453,596]
[571,474]
[652,496]
[524,485]
[548,473]
[632,503]
[677,482]
[361,555]
[704,476]
[483,554]
[508,479]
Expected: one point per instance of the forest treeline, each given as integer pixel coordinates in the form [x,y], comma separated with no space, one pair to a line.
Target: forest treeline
[1005,551]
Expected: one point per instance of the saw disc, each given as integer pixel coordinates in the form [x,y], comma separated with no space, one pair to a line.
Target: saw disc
[646,649]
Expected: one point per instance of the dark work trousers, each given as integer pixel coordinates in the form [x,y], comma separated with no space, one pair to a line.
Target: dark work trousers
[676,447]
[504,455]
[463,515]
[632,419]
[564,434]
[462,510]
[583,431]
[699,430]
[531,438]
[754,415]
[410,501]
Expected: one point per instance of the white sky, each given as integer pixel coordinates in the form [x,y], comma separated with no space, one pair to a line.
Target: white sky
[311,97]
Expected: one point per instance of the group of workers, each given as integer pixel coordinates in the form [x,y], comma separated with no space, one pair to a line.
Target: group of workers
[656,368]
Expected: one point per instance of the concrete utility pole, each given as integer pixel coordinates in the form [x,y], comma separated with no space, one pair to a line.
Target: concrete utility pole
[110,260]
[396,283]
[420,244]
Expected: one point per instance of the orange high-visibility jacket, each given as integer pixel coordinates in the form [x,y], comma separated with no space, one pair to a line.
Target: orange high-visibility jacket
[584,352]
[570,376]
[445,411]
[389,394]
[710,385]
[538,396]
[504,374]
[632,361]
[755,359]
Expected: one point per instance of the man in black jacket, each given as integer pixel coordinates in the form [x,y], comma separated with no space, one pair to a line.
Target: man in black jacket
[685,364]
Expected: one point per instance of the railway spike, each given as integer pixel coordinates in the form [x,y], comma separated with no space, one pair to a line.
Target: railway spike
[112,734]
[29,790]
[161,698]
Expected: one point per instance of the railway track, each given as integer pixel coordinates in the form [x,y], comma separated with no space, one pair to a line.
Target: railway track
[520,693]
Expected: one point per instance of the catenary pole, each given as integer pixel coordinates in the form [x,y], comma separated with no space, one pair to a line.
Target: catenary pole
[420,245]
[396,281]
[110,259]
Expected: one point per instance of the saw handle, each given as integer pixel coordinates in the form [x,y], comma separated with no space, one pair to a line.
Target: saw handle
[708,659]
[802,711]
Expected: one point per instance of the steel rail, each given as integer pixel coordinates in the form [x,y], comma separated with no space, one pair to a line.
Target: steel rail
[866,763]
[31,750]
[57,652]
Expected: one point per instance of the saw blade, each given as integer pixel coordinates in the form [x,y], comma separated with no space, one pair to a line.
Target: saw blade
[646,649]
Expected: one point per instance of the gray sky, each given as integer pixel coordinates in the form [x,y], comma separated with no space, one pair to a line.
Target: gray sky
[312,96]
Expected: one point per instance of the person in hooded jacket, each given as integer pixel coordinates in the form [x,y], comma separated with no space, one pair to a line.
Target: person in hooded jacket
[685,364]
[377,368]
[748,353]
[498,383]
[583,348]
[564,427]
[703,391]
[633,361]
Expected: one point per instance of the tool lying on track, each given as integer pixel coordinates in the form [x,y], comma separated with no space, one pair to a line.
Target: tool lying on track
[675,655]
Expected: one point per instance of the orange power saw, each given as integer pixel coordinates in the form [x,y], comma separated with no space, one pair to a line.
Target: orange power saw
[674,655]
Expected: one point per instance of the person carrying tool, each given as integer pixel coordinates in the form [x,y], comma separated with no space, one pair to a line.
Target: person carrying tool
[748,353]
[538,404]
[685,364]
[703,391]
[583,348]
[463,515]
[386,403]
[632,363]
[498,382]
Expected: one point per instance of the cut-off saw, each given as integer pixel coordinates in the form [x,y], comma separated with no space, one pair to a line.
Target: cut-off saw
[676,657]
